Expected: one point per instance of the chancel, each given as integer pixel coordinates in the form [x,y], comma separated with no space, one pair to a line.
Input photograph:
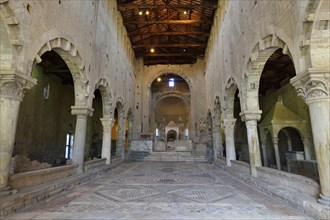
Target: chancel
[165,109]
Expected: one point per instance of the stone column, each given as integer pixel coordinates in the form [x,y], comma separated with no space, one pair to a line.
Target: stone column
[229,125]
[251,119]
[120,151]
[82,113]
[11,95]
[277,153]
[264,154]
[306,149]
[130,133]
[217,145]
[314,87]
[107,123]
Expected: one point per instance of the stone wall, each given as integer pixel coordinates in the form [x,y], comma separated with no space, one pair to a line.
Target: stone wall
[88,34]
[193,75]
[239,26]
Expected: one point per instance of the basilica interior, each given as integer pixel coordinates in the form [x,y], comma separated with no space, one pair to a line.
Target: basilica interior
[123,103]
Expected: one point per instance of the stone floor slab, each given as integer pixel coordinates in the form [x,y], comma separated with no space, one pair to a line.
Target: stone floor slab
[161,190]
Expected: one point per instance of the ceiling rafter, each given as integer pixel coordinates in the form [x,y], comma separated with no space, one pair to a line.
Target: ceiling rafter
[178,30]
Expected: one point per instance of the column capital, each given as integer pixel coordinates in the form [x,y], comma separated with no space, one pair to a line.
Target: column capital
[275,140]
[229,124]
[81,111]
[250,115]
[313,85]
[13,84]
[107,123]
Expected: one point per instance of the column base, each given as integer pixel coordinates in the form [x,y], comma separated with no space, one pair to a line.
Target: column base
[5,191]
[324,200]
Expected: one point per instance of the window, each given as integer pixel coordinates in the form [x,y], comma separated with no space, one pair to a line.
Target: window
[69,146]
[45,91]
[171,82]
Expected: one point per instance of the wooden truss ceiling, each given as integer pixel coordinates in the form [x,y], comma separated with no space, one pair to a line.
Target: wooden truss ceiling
[178,30]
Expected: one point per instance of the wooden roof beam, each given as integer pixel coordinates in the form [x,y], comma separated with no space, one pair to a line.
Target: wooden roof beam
[124,7]
[169,22]
[172,54]
[175,33]
[171,45]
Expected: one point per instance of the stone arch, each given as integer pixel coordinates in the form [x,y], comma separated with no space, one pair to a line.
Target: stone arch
[11,37]
[105,91]
[299,130]
[130,114]
[69,53]
[120,104]
[172,94]
[230,90]
[175,72]
[254,67]
[315,20]
[319,35]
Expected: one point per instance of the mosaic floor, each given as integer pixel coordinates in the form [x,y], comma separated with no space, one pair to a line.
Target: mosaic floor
[161,190]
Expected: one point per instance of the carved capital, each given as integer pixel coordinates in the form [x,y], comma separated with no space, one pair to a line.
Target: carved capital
[313,85]
[251,124]
[229,125]
[13,84]
[81,111]
[107,124]
[251,115]
[275,140]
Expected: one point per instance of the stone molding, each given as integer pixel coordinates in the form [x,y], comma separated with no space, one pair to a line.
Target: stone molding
[81,111]
[313,85]
[107,124]
[13,84]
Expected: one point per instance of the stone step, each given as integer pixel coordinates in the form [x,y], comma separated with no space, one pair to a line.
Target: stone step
[174,156]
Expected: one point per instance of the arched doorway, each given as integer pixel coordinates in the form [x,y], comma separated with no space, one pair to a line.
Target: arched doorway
[281,107]
[290,146]
[46,111]
[240,137]
[94,133]
[170,101]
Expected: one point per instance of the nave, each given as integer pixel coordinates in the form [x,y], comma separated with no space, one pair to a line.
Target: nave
[161,190]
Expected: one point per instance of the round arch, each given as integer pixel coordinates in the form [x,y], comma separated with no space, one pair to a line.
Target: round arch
[105,91]
[255,65]
[171,94]
[229,96]
[178,73]
[69,53]
[11,38]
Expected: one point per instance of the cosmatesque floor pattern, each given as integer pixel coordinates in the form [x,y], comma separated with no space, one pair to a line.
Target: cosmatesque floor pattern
[161,190]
